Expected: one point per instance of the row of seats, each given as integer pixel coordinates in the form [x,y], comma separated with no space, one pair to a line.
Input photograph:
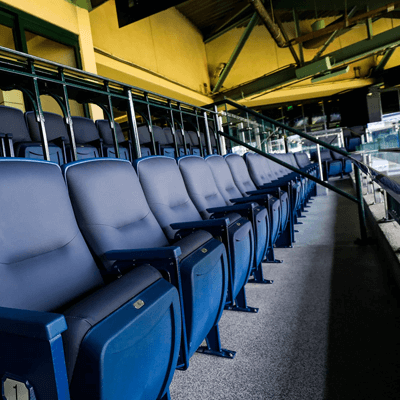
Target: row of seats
[92,139]
[333,163]
[23,137]
[86,262]
[164,141]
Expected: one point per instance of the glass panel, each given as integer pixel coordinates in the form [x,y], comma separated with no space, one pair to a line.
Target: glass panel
[40,46]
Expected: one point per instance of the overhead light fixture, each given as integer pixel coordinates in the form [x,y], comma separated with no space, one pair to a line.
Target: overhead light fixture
[331,74]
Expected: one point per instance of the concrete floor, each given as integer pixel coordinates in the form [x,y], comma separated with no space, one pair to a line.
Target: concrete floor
[328,328]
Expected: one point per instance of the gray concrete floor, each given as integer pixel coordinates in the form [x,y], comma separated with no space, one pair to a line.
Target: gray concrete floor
[328,328]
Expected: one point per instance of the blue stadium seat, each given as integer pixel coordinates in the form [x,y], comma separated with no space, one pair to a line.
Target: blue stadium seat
[258,215]
[122,232]
[125,146]
[169,200]
[352,143]
[57,137]
[330,167]
[347,165]
[262,177]
[246,186]
[145,140]
[87,138]
[62,328]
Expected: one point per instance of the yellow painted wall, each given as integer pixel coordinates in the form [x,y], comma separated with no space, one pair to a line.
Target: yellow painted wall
[57,12]
[166,44]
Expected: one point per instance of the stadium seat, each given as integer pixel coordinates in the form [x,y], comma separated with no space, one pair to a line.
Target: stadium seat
[64,332]
[262,177]
[347,165]
[87,138]
[169,200]
[244,183]
[57,137]
[145,140]
[231,195]
[122,233]
[125,146]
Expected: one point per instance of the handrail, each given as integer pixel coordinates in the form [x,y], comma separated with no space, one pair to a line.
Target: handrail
[294,169]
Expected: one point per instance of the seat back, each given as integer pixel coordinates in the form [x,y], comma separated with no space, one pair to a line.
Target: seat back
[200,184]
[47,262]
[127,224]
[165,192]
[104,129]
[240,173]
[302,159]
[85,132]
[223,178]
[12,122]
[55,129]
[144,140]
[257,169]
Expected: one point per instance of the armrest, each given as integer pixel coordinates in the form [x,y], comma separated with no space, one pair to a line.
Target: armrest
[264,191]
[33,324]
[236,207]
[156,253]
[256,198]
[209,223]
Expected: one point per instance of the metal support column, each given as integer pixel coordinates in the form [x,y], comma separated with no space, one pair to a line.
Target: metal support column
[39,114]
[68,119]
[171,114]
[361,207]
[208,139]
[137,152]
[112,123]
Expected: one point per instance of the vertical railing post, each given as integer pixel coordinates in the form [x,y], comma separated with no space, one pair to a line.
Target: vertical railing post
[198,134]
[112,123]
[183,131]
[361,207]
[137,153]
[68,119]
[171,114]
[218,127]
[153,141]
[39,113]
[208,139]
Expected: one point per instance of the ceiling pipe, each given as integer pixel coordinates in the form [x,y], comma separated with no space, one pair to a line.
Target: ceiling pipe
[273,28]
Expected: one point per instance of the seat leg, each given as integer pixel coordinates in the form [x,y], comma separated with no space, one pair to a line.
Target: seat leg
[241,303]
[285,238]
[258,276]
[167,396]
[213,347]
[270,256]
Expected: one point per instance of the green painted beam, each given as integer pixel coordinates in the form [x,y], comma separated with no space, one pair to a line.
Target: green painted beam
[331,74]
[379,68]
[86,4]
[367,47]
[386,40]
[236,52]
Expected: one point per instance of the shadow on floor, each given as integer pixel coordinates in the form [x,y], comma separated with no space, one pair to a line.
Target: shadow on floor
[364,322]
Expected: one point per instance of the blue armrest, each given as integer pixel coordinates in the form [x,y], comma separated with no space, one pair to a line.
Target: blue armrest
[155,253]
[264,191]
[256,198]
[209,223]
[234,208]
[33,324]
